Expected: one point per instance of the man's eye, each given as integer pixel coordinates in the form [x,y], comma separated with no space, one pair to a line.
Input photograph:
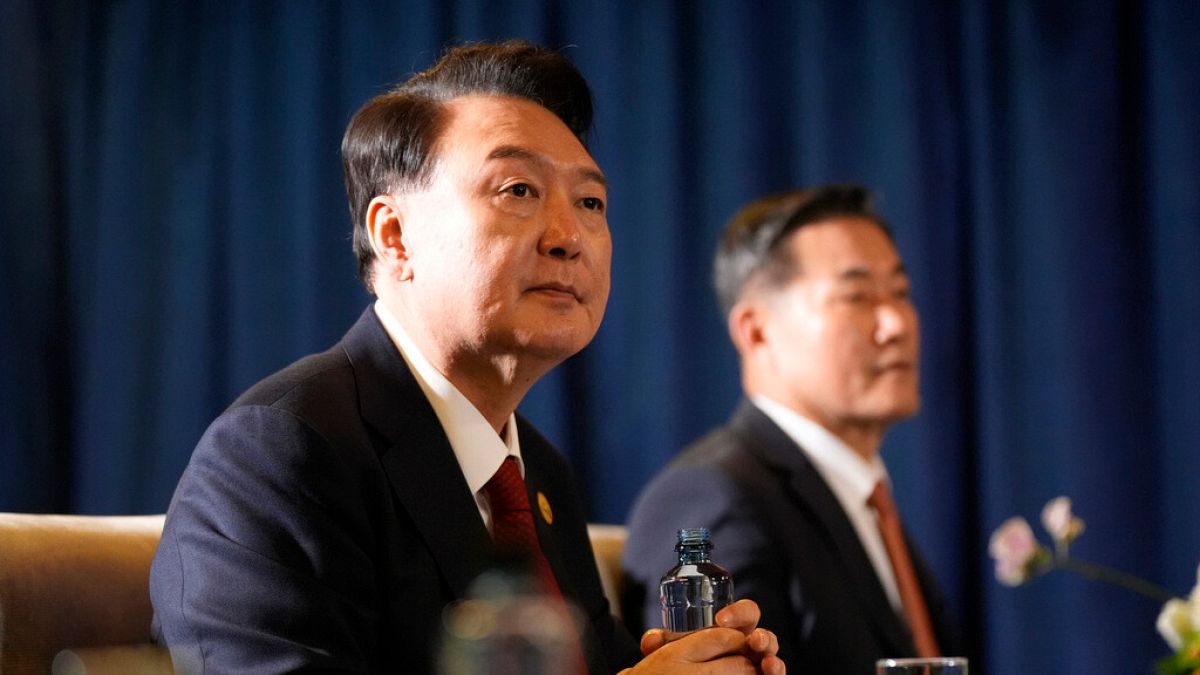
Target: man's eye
[593,203]
[856,298]
[520,190]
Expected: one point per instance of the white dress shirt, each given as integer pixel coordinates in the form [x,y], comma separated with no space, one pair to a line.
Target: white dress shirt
[479,449]
[851,478]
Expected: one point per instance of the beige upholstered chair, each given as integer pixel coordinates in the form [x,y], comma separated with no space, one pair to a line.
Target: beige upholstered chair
[76,588]
[608,541]
[74,592]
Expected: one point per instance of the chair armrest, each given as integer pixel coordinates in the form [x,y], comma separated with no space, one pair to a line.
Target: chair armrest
[608,542]
[72,581]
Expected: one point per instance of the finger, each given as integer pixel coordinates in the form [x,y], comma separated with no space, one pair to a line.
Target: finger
[730,665]
[742,615]
[671,635]
[652,640]
[773,665]
[707,644]
[763,641]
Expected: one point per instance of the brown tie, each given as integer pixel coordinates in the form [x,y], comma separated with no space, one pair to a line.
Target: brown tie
[512,520]
[906,578]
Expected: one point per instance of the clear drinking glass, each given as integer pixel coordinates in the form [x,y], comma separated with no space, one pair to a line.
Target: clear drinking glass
[944,665]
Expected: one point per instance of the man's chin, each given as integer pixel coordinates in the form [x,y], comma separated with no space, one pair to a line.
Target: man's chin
[894,409]
[553,347]
[903,411]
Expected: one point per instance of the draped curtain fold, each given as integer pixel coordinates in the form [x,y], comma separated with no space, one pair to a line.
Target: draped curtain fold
[173,227]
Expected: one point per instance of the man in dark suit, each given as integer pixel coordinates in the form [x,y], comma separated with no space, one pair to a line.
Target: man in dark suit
[328,516]
[817,302]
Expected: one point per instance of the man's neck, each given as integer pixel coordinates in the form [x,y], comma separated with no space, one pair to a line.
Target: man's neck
[494,384]
[864,438]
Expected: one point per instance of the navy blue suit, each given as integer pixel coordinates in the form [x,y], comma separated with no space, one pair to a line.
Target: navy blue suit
[789,545]
[323,524]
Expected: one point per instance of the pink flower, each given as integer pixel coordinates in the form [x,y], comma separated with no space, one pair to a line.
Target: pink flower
[1019,556]
[1059,522]
[1015,549]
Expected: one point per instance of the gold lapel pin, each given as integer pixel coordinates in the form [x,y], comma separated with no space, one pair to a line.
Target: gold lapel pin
[544,507]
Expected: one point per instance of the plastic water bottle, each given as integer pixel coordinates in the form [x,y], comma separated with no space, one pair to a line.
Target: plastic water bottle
[694,591]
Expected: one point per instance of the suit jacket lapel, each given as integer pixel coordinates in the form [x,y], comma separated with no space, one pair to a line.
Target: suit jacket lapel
[776,448]
[416,455]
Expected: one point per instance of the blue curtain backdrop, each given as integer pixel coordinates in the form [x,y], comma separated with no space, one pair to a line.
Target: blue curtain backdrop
[174,228]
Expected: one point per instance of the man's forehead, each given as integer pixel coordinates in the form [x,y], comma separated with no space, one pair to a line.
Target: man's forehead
[585,171]
[508,127]
[846,247]
[495,116]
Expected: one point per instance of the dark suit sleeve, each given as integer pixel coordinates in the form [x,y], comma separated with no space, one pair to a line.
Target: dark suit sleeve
[265,564]
[703,496]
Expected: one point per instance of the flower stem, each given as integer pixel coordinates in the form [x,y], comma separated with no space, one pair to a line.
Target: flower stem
[1107,574]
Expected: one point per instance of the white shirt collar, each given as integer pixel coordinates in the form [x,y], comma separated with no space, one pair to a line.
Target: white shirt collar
[850,478]
[836,462]
[478,448]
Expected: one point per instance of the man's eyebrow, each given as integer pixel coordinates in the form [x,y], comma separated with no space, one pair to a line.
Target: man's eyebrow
[514,151]
[857,273]
[518,152]
[595,176]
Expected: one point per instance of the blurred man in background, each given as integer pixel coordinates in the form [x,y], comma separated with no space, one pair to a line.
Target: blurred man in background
[793,487]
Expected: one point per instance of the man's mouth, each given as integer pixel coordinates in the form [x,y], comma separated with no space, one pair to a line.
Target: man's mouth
[897,366]
[555,288]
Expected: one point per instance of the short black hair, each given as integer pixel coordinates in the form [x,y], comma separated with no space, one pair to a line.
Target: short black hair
[751,250]
[390,142]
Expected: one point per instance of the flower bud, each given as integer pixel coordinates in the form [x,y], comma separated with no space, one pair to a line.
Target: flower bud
[1059,522]
[1014,549]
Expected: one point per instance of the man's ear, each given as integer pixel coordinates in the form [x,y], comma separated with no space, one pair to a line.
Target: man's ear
[385,226]
[746,325]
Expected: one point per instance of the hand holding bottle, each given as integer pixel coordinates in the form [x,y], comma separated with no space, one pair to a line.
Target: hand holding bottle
[734,645]
[704,630]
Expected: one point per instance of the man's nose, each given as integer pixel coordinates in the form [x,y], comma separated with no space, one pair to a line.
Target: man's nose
[892,322]
[561,238]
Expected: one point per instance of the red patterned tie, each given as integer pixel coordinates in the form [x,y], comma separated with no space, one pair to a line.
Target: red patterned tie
[512,520]
[906,577]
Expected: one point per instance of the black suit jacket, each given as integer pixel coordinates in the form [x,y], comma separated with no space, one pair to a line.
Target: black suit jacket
[323,524]
[789,545]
